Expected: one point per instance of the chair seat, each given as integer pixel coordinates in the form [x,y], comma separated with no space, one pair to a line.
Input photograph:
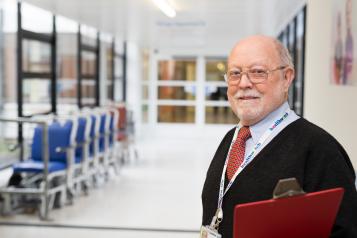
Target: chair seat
[31,166]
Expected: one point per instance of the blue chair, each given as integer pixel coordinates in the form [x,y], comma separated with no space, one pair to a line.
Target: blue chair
[112,129]
[82,159]
[105,152]
[93,169]
[81,139]
[103,133]
[93,136]
[115,152]
[60,160]
[58,137]
[103,143]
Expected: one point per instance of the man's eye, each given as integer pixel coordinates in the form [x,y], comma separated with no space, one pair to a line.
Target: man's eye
[257,71]
[234,73]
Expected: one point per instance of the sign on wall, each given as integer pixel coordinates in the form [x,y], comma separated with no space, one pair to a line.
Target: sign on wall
[344,40]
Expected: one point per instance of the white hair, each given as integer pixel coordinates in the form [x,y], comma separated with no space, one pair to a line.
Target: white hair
[284,54]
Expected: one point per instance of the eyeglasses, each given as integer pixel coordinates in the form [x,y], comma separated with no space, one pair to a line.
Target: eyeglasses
[255,75]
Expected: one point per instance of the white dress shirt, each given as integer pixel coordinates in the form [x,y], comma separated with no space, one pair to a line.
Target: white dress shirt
[261,127]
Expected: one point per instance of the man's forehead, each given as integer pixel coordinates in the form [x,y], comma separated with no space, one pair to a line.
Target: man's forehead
[249,59]
[243,62]
[255,51]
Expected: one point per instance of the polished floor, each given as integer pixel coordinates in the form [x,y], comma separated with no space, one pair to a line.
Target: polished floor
[158,195]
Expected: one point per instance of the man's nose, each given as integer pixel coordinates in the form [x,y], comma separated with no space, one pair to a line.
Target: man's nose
[245,81]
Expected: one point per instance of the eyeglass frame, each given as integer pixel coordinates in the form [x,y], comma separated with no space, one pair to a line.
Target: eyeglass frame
[246,72]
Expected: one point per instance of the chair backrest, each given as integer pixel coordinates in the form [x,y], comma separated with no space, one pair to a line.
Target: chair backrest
[102,130]
[59,136]
[122,117]
[113,124]
[92,133]
[111,128]
[81,136]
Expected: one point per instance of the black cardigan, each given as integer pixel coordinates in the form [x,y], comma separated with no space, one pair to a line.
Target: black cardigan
[301,150]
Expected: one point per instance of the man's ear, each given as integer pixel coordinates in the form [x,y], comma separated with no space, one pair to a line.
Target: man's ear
[289,75]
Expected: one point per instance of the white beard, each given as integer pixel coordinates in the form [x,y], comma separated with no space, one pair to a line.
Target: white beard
[256,110]
[246,111]
[249,113]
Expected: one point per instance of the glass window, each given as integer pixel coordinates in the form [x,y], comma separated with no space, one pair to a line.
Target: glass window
[118,90]
[8,139]
[183,70]
[88,63]
[88,91]
[292,39]
[220,115]
[289,40]
[284,39]
[36,19]
[66,63]
[118,84]
[145,86]
[299,64]
[145,113]
[89,35]
[215,69]
[67,91]
[36,56]
[146,61]
[109,59]
[217,110]
[108,67]
[216,93]
[36,90]
[177,114]
[109,90]
[118,61]
[8,77]
[145,92]
[36,96]
[66,25]
[177,93]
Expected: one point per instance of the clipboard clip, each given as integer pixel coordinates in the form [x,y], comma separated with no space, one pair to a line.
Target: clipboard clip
[288,187]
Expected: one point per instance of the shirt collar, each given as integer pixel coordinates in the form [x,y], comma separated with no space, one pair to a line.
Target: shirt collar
[257,130]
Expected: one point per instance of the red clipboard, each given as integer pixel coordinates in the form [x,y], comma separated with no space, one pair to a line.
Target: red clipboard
[310,215]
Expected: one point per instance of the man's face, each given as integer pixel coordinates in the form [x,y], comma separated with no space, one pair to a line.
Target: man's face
[252,102]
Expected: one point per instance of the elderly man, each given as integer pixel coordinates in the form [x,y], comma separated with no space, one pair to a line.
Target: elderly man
[270,143]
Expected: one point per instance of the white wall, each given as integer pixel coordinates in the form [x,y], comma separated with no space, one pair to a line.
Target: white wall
[134,76]
[329,106]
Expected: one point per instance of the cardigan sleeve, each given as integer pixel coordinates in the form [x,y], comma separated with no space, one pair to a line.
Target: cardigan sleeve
[328,166]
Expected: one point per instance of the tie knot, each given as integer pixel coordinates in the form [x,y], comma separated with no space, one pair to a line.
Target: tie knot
[244,133]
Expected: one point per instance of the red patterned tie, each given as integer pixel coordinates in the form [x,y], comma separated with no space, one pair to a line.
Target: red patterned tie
[236,155]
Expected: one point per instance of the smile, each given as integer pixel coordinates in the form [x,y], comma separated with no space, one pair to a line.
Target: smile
[245,98]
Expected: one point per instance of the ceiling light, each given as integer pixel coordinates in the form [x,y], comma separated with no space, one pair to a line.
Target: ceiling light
[165,7]
[221,67]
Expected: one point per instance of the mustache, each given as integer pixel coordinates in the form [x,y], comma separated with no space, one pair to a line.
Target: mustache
[247,93]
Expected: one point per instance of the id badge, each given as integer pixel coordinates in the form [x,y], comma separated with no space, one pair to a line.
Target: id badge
[207,232]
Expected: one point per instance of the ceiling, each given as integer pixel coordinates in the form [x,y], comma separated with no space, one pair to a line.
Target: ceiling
[199,24]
